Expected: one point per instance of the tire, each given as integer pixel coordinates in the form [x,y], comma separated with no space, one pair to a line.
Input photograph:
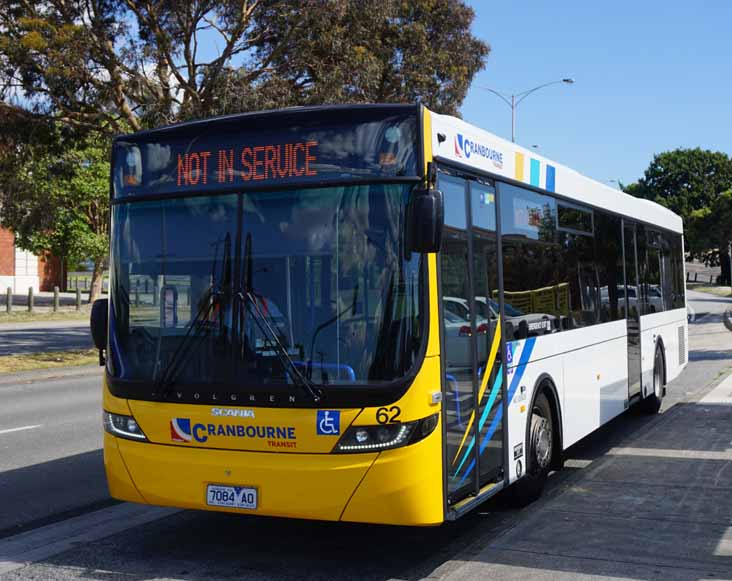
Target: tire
[727,319]
[538,455]
[652,403]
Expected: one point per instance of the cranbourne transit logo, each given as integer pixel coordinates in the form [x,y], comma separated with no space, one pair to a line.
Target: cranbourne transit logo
[183,430]
[465,148]
[180,430]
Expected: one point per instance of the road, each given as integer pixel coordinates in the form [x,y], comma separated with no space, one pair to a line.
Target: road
[645,497]
[17,338]
[50,440]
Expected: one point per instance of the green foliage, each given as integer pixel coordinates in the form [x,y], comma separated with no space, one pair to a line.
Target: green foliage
[331,51]
[692,182]
[57,202]
[710,228]
[130,64]
[685,180]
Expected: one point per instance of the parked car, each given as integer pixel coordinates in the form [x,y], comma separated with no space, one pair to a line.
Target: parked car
[457,340]
[523,324]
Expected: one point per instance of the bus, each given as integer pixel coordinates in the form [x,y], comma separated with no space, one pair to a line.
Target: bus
[370,313]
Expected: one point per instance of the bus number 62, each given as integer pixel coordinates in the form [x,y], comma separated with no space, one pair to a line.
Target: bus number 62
[383,415]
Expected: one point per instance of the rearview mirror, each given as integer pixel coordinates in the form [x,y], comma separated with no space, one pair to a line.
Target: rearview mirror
[425,215]
[98,325]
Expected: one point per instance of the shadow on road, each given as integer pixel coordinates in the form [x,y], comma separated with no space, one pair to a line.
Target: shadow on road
[51,488]
[18,341]
[711,355]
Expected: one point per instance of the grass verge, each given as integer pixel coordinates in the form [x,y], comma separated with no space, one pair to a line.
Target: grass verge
[720,291]
[47,360]
[23,316]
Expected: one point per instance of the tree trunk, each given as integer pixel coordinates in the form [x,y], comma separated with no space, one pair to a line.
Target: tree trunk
[64,275]
[724,264]
[96,280]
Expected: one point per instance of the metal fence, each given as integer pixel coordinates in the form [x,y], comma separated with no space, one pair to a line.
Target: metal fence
[82,281]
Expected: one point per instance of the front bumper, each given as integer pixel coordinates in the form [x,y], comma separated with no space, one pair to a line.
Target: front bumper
[401,486]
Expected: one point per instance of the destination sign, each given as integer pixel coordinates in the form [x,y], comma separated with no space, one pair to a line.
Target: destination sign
[312,146]
[261,162]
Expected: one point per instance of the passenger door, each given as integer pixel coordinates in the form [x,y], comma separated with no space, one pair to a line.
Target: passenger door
[633,308]
[472,381]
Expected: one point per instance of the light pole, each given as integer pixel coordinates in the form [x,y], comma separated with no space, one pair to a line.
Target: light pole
[518,97]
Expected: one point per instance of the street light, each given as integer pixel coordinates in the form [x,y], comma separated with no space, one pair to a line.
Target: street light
[518,97]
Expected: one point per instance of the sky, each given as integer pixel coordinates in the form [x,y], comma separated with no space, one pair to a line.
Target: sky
[650,76]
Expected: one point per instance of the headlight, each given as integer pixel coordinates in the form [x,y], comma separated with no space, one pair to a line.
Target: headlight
[122,426]
[384,437]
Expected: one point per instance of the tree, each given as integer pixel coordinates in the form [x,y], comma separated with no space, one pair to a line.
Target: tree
[116,64]
[59,202]
[711,229]
[689,181]
[370,51]
[77,71]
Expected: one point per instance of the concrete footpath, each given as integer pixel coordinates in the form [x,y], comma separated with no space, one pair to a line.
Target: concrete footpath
[657,506]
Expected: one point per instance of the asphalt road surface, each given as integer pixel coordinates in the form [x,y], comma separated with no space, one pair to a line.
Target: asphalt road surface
[17,338]
[560,537]
[50,440]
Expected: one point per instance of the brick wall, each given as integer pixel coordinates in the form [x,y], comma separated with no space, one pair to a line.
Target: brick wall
[7,253]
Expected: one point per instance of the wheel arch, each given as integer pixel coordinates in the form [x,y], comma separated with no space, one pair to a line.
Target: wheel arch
[545,384]
[660,345]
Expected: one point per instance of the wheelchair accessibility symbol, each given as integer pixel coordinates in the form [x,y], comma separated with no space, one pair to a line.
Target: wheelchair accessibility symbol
[329,423]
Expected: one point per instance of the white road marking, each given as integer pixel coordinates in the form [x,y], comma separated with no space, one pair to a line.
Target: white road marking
[39,544]
[725,456]
[720,394]
[20,429]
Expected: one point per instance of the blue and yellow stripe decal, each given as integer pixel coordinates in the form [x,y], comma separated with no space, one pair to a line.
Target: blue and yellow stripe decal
[515,381]
[483,385]
[533,176]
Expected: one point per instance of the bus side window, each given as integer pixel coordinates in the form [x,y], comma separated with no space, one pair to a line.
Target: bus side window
[677,270]
[577,272]
[609,255]
[533,301]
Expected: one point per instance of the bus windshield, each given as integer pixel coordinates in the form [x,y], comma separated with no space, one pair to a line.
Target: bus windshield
[227,283]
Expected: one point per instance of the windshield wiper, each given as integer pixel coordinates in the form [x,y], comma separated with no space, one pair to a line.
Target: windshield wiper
[250,302]
[164,384]
[247,298]
[168,377]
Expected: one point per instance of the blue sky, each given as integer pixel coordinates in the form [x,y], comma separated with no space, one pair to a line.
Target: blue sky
[650,76]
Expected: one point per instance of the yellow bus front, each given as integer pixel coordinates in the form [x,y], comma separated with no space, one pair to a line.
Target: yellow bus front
[269,347]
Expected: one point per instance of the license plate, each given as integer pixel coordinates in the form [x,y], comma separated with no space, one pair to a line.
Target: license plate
[231,496]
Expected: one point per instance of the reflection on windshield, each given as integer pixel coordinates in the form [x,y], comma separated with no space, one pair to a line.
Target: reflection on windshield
[325,268]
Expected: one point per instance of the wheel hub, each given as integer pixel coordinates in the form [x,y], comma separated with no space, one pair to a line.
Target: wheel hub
[542,442]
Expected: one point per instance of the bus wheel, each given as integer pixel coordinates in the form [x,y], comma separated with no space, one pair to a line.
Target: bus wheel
[652,403]
[539,454]
[727,319]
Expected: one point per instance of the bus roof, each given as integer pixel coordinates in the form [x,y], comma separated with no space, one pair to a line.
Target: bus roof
[456,141]
[224,121]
